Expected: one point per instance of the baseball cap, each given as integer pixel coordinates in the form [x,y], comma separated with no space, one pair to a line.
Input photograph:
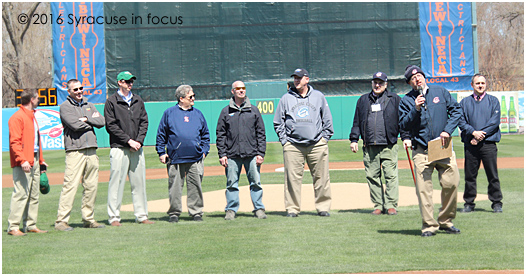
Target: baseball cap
[44,183]
[412,70]
[125,76]
[300,73]
[380,75]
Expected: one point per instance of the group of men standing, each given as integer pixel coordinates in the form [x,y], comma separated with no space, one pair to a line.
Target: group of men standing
[303,123]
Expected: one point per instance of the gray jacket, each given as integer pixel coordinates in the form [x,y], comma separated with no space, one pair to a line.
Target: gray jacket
[77,134]
[303,121]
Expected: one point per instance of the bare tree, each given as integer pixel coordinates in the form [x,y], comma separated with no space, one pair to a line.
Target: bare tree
[501,44]
[26,48]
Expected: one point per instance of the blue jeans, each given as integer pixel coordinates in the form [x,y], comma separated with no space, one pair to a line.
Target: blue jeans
[232,171]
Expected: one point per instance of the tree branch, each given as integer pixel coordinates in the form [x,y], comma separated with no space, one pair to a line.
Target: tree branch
[31,12]
[6,16]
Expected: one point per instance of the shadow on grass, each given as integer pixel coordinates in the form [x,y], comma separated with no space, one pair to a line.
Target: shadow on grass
[357,211]
[270,213]
[459,210]
[407,232]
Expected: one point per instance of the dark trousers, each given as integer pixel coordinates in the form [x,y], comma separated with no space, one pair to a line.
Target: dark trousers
[487,153]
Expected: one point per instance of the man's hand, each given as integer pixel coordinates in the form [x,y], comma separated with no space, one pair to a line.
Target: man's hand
[223,161]
[444,136]
[26,167]
[134,145]
[407,144]
[419,101]
[259,160]
[479,135]
[474,142]
[163,158]
[354,147]
[83,119]
[45,167]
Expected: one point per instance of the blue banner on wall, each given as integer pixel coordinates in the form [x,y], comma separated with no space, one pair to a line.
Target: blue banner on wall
[78,48]
[447,44]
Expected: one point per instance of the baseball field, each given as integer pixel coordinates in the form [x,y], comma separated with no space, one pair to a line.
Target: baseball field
[349,241]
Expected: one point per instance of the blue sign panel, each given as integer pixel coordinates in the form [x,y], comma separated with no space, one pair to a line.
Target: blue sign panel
[447,44]
[78,48]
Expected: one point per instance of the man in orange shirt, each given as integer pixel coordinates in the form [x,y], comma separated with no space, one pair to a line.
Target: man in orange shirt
[26,158]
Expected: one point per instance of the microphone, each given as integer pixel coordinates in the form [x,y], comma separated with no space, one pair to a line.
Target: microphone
[421,92]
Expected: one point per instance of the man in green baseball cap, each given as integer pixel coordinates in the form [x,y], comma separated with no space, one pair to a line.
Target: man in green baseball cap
[127,124]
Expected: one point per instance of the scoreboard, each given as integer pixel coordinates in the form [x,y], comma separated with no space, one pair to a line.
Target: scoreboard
[47,96]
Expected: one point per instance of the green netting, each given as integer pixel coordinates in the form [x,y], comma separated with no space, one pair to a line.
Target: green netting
[340,44]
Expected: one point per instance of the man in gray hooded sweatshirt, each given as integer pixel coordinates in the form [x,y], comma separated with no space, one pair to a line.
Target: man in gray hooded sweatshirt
[303,123]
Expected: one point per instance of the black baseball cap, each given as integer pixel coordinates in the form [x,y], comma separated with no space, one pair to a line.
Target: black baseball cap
[380,75]
[300,73]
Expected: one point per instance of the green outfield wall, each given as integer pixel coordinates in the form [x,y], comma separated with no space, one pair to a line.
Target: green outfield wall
[342,109]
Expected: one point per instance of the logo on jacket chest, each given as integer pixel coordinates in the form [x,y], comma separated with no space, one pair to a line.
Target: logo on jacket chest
[303,112]
[186,119]
[436,100]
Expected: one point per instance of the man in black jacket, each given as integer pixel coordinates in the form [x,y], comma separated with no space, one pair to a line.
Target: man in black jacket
[127,124]
[241,141]
[376,121]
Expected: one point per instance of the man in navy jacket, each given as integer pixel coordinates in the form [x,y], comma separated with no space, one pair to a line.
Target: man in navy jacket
[376,121]
[429,112]
[241,141]
[480,132]
[183,142]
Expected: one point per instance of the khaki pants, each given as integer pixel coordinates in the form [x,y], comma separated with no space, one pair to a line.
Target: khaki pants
[193,172]
[124,162]
[24,200]
[449,178]
[317,157]
[81,166]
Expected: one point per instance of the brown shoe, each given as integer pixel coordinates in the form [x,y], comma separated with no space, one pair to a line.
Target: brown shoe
[391,211]
[16,232]
[36,230]
[63,226]
[377,212]
[146,221]
[94,225]
[116,223]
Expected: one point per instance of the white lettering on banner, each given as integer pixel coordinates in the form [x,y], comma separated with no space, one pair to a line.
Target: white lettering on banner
[52,143]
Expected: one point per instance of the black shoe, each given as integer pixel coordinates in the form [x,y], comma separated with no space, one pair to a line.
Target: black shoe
[324,214]
[450,230]
[427,234]
[292,215]
[173,219]
[198,218]
[468,209]
[497,209]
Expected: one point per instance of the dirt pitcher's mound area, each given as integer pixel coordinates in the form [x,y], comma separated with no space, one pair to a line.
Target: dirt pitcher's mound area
[345,196]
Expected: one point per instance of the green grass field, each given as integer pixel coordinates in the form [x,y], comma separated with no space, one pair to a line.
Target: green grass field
[350,241]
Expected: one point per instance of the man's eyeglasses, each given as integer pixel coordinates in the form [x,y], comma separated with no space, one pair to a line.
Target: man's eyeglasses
[191,96]
[77,89]
[130,81]
[240,88]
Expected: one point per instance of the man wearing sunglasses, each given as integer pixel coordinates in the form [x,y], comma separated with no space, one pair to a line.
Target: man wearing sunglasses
[127,124]
[241,141]
[79,118]
[183,142]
